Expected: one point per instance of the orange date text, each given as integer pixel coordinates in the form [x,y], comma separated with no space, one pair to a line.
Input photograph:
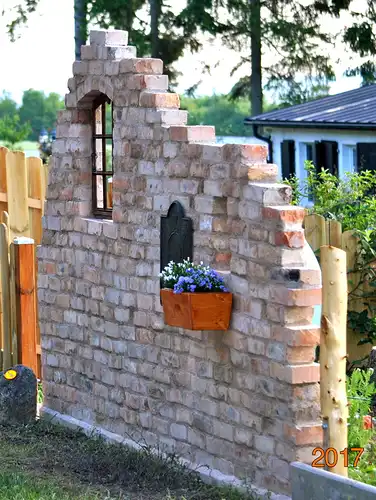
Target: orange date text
[331,457]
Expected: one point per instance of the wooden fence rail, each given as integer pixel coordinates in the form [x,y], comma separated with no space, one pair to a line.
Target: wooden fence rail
[22,194]
[320,232]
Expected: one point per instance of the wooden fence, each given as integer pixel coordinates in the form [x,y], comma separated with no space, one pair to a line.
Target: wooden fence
[22,193]
[320,232]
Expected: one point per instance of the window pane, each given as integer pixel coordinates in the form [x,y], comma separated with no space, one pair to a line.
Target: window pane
[108,165]
[98,120]
[309,152]
[98,155]
[108,119]
[99,181]
[109,191]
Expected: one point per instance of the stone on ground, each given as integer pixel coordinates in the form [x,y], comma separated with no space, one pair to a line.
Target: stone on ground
[18,395]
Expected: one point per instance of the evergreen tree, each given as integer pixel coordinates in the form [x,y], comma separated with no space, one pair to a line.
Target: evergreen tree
[360,36]
[288,29]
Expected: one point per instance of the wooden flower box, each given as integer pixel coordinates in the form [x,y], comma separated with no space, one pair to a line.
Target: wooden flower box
[198,310]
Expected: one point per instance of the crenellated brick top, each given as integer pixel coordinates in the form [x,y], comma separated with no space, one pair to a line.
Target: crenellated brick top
[244,402]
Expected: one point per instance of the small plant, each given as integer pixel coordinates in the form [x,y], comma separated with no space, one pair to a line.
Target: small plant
[189,277]
[360,390]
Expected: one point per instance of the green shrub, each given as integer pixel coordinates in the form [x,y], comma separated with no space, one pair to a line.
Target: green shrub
[360,390]
[351,201]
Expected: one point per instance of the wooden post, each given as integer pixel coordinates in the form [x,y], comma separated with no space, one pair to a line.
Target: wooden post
[333,353]
[5,298]
[25,298]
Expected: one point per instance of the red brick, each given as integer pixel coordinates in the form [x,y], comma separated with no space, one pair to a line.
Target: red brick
[221,224]
[117,214]
[141,65]
[66,194]
[297,355]
[84,177]
[304,434]
[50,268]
[295,297]
[262,172]
[296,374]
[223,258]
[310,277]
[255,153]
[291,239]
[119,184]
[286,215]
[192,133]
[150,82]
[297,336]
[159,100]
[151,66]
[82,116]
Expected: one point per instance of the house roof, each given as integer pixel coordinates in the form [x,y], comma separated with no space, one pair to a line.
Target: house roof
[355,109]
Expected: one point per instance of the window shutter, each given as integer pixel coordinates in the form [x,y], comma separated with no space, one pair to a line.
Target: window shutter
[330,151]
[318,156]
[326,156]
[366,156]
[288,158]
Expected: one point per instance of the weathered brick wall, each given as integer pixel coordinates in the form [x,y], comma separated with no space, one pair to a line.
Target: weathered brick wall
[245,401]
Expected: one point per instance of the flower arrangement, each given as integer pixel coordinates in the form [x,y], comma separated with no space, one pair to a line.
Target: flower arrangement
[189,277]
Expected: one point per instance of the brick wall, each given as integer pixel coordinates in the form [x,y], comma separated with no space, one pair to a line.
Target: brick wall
[245,401]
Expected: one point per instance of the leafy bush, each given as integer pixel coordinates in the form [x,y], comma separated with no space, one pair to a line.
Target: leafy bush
[351,201]
[360,390]
[11,132]
[189,277]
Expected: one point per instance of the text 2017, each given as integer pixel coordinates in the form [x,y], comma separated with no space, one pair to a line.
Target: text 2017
[331,457]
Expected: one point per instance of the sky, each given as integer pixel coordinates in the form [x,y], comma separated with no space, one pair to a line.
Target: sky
[42,57]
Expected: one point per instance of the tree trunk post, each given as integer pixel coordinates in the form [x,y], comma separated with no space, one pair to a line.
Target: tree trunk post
[256,76]
[333,355]
[80,26]
[154,27]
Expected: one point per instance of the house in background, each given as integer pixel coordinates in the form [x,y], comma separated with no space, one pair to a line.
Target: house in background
[336,132]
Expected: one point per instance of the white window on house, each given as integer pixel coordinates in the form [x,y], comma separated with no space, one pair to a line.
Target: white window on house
[349,159]
[307,155]
[309,152]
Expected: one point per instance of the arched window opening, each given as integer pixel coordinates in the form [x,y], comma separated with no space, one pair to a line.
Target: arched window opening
[102,166]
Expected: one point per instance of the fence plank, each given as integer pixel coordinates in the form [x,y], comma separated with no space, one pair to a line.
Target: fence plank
[3,207]
[35,191]
[16,174]
[315,231]
[13,302]
[3,177]
[350,243]
[333,350]
[5,298]
[334,233]
[36,175]
[25,292]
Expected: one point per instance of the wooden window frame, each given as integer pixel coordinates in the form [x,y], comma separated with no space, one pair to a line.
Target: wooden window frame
[100,102]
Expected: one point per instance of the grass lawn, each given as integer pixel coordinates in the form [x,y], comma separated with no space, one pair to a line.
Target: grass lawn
[46,462]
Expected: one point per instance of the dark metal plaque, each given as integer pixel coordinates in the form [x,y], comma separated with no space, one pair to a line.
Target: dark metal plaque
[176,235]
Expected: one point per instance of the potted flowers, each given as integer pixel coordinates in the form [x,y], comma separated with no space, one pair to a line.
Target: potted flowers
[195,297]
